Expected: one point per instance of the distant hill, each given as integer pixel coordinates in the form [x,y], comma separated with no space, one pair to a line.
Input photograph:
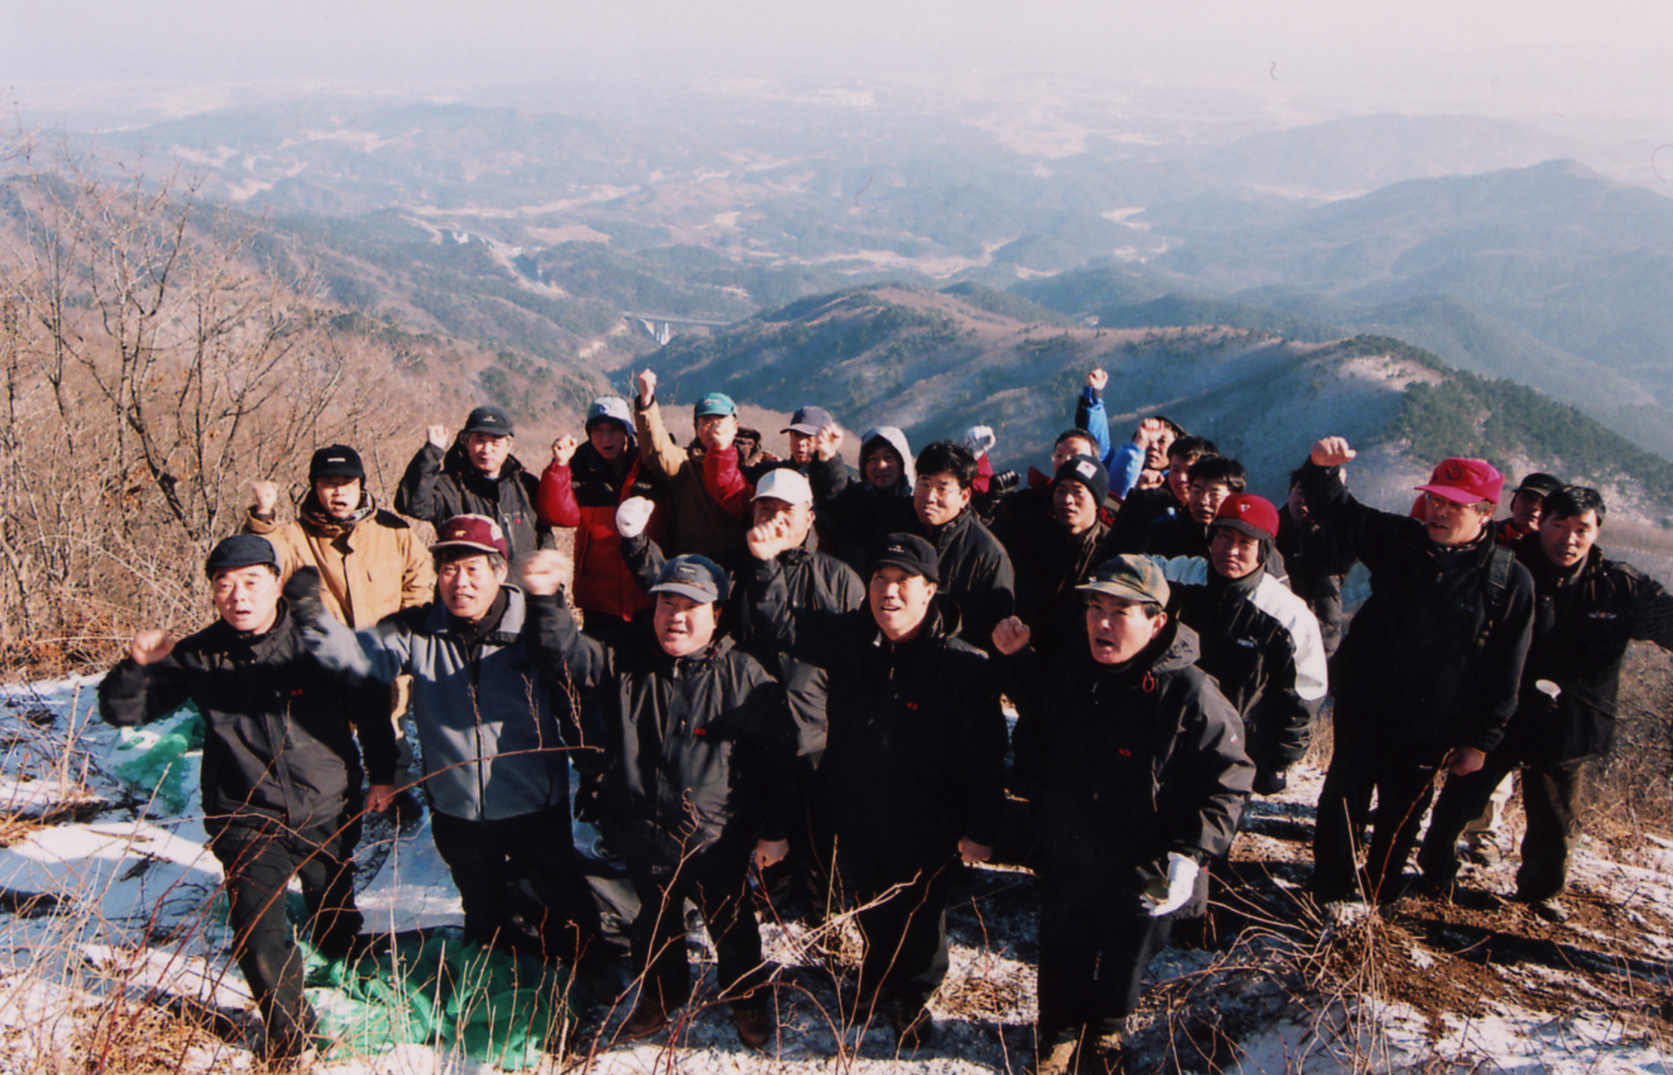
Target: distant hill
[934,364]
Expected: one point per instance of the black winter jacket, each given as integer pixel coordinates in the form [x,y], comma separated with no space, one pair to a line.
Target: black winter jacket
[916,749]
[1582,624]
[1434,659]
[698,749]
[277,741]
[1050,562]
[1261,644]
[815,581]
[1124,764]
[1317,568]
[435,488]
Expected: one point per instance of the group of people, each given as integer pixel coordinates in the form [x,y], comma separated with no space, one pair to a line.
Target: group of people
[754,665]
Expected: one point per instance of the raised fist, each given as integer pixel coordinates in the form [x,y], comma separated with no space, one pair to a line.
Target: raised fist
[1149,433]
[149,647]
[438,436]
[1011,635]
[545,571]
[267,496]
[633,515]
[302,593]
[1096,380]
[647,387]
[563,450]
[980,439]
[827,443]
[768,539]
[1332,452]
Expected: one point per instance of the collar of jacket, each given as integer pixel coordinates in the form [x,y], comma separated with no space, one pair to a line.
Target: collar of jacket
[942,536]
[438,621]
[941,621]
[1548,576]
[679,667]
[587,460]
[458,463]
[315,519]
[228,640]
[1175,646]
[1236,589]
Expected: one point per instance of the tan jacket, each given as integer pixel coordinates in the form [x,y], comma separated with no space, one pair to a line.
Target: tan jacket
[368,568]
[698,524]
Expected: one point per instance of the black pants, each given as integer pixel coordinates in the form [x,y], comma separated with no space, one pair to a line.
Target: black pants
[906,934]
[480,853]
[259,857]
[1092,961]
[715,880]
[1403,778]
[1550,800]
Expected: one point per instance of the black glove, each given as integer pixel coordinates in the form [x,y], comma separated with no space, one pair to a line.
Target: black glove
[1270,781]
[587,794]
[302,593]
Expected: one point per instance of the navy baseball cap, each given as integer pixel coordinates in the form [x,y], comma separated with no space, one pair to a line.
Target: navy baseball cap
[909,553]
[490,420]
[241,550]
[693,576]
[809,421]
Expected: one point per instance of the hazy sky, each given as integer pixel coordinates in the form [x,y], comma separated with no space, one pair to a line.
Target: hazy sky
[1488,56]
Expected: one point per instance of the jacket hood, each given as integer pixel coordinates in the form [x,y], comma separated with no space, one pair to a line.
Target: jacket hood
[896,439]
[1175,647]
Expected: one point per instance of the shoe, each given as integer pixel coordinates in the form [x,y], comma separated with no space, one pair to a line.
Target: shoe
[648,1017]
[914,1028]
[1056,1057]
[1483,853]
[1551,910]
[755,1026]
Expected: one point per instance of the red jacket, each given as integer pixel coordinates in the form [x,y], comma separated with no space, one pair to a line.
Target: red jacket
[585,496]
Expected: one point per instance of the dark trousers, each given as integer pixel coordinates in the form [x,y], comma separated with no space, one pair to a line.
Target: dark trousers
[905,934]
[715,880]
[1550,800]
[1403,779]
[480,855]
[1092,961]
[259,857]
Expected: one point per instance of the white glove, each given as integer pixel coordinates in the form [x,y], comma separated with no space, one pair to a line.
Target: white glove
[1182,881]
[979,439]
[632,516]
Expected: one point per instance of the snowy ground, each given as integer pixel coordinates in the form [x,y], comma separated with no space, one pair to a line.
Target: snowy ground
[108,916]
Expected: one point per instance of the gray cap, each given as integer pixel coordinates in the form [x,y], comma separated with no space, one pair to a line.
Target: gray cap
[1136,578]
[609,409]
[693,576]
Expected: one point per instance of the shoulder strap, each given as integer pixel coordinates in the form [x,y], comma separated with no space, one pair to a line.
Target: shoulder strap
[1498,592]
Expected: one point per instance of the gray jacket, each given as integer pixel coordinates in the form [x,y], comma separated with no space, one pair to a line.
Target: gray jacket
[486,724]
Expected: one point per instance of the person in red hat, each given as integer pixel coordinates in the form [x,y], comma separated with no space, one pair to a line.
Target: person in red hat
[1428,674]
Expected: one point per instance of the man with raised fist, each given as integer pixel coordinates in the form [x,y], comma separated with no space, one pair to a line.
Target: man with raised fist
[281,775]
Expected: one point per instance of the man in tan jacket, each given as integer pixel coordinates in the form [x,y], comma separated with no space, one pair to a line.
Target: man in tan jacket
[371,562]
[698,523]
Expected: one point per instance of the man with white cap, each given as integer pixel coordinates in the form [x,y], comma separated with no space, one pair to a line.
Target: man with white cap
[1429,671]
[1134,764]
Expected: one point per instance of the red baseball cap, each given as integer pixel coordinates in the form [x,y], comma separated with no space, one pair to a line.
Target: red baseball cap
[1465,481]
[1250,514]
[476,532]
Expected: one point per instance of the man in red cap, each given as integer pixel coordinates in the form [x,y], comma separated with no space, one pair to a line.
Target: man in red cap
[1428,673]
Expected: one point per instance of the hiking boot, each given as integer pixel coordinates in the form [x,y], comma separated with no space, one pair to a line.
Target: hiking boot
[1484,852]
[914,1027]
[1551,910]
[755,1026]
[1056,1057]
[648,1017]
